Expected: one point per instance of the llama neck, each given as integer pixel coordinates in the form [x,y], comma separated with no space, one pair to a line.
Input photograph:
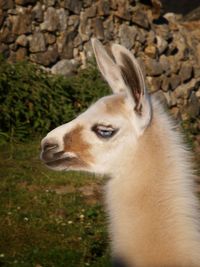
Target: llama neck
[151,203]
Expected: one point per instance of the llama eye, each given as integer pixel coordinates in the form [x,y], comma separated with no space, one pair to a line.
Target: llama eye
[104,131]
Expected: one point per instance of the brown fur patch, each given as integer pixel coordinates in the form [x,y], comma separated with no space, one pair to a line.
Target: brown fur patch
[73,142]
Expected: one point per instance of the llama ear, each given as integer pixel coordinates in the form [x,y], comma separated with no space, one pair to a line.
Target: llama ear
[108,68]
[135,85]
[132,75]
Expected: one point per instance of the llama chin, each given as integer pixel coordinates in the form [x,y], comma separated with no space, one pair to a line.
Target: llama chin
[153,211]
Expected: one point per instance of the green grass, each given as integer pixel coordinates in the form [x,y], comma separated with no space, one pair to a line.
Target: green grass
[46,217]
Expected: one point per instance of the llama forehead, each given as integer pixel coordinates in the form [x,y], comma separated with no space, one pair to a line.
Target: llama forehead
[115,105]
[76,143]
[113,108]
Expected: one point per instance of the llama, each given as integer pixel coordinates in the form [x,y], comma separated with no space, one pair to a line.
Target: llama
[153,211]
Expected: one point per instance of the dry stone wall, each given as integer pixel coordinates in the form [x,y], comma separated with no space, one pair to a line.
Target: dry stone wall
[56,34]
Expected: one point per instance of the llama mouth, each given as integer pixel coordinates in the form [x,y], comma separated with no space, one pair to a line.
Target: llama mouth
[61,162]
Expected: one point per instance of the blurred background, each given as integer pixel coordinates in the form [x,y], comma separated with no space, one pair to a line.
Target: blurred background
[47,76]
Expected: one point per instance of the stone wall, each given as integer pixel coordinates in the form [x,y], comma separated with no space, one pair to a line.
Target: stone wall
[56,34]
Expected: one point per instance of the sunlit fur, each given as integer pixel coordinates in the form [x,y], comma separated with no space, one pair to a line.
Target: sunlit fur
[153,211]
[154,216]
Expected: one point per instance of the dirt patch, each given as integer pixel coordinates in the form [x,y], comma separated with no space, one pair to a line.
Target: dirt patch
[92,193]
[64,189]
[29,187]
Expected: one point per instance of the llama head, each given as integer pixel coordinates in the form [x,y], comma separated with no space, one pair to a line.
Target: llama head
[100,139]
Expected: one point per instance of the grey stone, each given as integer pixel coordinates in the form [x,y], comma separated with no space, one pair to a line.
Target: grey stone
[162,44]
[184,90]
[87,3]
[65,67]
[151,37]
[186,72]
[103,8]
[37,43]
[73,21]
[19,55]
[51,20]
[175,65]
[62,18]
[73,5]
[67,51]
[184,114]
[109,29]
[6,36]
[65,44]
[77,41]
[141,36]
[198,53]
[47,58]
[85,27]
[123,10]
[196,70]
[90,12]
[21,24]
[172,19]
[179,43]
[154,83]
[172,49]
[37,12]
[171,98]
[153,67]
[175,81]
[22,40]
[193,109]
[50,2]
[140,18]
[127,35]
[13,47]
[12,11]
[164,32]
[25,2]
[88,51]
[113,4]
[198,93]
[49,38]
[2,17]
[6,4]
[98,29]
[161,97]
[175,111]
[77,51]
[4,50]
[166,66]
[156,8]
[138,49]
[151,51]
[165,83]
[181,102]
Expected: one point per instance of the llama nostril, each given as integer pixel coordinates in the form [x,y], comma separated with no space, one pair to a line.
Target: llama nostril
[47,146]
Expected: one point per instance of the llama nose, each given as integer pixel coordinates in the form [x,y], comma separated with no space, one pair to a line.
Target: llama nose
[48,148]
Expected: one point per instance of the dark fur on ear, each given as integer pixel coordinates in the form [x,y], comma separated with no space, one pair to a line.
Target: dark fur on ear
[131,77]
